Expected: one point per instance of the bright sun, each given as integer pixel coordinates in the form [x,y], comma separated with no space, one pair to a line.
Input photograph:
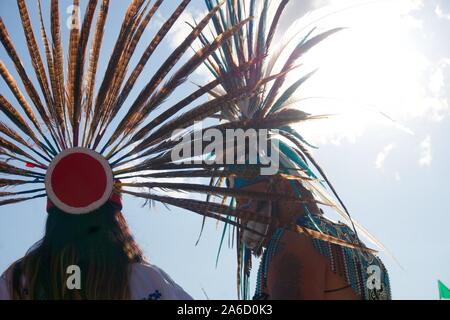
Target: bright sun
[370,71]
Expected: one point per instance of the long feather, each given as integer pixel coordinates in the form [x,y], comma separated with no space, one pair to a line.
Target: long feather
[162,32]
[12,84]
[74,40]
[318,235]
[275,22]
[93,63]
[189,67]
[78,73]
[17,200]
[13,182]
[116,100]
[322,173]
[6,168]
[134,115]
[109,77]
[15,117]
[231,192]
[171,111]
[201,112]
[31,90]
[14,149]
[10,194]
[57,108]
[299,51]
[138,26]
[199,207]
[58,64]
[34,51]
[14,135]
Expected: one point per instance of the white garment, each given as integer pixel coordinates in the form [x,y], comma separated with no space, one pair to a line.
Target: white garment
[147,282]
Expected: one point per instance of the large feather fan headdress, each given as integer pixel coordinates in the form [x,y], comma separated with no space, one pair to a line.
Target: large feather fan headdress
[73,115]
[271,106]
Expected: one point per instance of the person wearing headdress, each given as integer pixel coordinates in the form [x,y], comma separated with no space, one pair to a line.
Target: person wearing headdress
[305,255]
[88,251]
[85,145]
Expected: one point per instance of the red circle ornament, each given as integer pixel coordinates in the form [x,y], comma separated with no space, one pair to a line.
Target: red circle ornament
[79,181]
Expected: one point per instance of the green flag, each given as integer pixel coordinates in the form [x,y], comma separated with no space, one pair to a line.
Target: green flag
[444,292]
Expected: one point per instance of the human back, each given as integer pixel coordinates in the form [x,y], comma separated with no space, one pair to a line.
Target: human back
[100,244]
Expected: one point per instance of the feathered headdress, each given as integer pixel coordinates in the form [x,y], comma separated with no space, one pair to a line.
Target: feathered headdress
[271,107]
[77,138]
[86,134]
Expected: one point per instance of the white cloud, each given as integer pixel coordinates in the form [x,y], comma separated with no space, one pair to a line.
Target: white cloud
[409,6]
[404,6]
[397,176]
[381,157]
[435,105]
[435,109]
[425,152]
[436,83]
[181,29]
[441,14]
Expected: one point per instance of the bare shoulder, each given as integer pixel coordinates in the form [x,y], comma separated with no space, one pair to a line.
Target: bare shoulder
[293,243]
[296,271]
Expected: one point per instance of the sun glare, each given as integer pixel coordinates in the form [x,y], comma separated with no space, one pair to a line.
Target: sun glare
[369,72]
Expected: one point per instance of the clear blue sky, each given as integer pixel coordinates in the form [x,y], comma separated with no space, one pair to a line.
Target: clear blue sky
[394,183]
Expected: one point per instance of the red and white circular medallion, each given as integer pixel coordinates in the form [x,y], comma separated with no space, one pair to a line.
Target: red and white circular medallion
[79,181]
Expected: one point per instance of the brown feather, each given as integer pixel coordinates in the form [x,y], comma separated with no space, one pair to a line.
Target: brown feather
[14,149]
[162,32]
[140,24]
[72,59]
[12,84]
[34,51]
[202,208]
[181,75]
[57,108]
[10,194]
[78,73]
[17,200]
[230,192]
[171,111]
[324,237]
[295,55]
[31,90]
[135,114]
[58,62]
[176,80]
[6,168]
[93,62]
[110,76]
[17,119]
[200,113]
[13,135]
[10,182]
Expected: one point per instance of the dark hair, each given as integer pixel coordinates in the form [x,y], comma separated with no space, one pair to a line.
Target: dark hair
[100,243]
